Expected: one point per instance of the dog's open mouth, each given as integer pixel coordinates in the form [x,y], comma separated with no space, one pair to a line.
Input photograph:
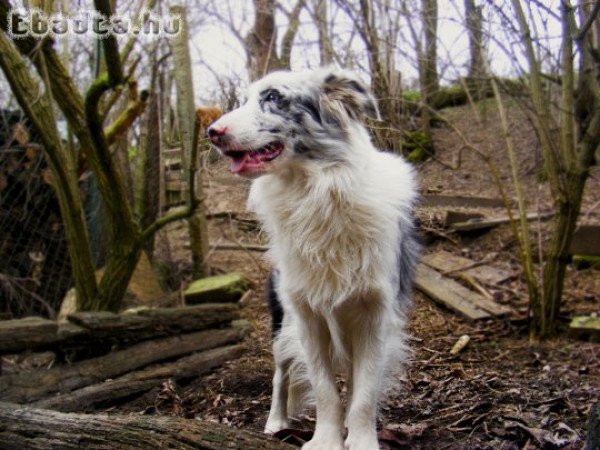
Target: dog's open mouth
[253,160]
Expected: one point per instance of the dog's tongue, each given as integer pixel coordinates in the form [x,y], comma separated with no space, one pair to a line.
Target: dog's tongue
[248,161]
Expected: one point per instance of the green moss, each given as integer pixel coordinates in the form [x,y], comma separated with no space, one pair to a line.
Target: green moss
[221,288]
[417,146]
[411,96]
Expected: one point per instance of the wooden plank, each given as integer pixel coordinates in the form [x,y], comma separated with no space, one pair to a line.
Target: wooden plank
[586,241]
[177,186]
[447,262]
[483,224]
[489,274]
[171,153]
[455,296]
[460,201]
[453,217]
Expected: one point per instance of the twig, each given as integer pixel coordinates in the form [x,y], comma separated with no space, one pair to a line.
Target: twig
[243,247]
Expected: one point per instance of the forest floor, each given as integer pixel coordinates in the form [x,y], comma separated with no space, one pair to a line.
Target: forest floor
[501,392]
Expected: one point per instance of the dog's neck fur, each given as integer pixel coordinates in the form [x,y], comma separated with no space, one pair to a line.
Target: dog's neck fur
[321,225]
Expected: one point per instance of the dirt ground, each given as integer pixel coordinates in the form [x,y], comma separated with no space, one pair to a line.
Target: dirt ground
[501,392]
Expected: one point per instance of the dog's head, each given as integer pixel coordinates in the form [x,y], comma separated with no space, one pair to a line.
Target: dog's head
[302,116]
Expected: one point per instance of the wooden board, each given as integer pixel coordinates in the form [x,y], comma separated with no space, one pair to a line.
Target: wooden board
[447,262]
[488,274]
[455,296]
[483,224]
[460,201]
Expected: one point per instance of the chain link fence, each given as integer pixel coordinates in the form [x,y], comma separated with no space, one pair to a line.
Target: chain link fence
[35,271]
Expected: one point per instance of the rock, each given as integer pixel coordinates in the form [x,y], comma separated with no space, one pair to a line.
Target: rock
[218,289]
[584,327]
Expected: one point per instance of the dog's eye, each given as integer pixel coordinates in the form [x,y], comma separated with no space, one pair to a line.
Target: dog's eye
[272,96]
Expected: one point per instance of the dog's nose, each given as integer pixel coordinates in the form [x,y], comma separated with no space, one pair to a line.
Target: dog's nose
[216,134]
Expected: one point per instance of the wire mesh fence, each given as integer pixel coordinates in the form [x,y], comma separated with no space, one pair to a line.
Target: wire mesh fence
[35,272]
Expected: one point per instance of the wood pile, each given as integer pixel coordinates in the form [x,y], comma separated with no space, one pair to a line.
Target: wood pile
[114,356]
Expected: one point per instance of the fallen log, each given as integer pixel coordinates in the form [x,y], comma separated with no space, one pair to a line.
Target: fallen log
[111,391]
[90,328]
[29,387]
[28,333]
[153,323]
[25,427]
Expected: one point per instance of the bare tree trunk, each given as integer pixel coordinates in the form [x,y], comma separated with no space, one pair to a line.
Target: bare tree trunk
[261,41]
[188,128]
[567,162]
[477,75]
[125,239]
[325,47]
[430,23]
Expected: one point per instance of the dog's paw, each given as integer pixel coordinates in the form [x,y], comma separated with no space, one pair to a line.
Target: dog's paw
[362,441]
[275,424]
[332,443]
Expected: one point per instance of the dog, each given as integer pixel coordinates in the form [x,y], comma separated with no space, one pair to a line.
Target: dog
[338,215]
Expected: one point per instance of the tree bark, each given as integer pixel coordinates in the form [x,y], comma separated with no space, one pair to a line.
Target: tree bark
[30,428]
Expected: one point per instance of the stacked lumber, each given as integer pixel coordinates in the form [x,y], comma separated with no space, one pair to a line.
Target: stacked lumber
[136,352]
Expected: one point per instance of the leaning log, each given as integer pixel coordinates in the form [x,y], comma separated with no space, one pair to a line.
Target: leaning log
[134,383]
[24,427]
[29,387]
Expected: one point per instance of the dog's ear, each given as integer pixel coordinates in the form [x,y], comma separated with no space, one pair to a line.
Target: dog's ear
[345,97]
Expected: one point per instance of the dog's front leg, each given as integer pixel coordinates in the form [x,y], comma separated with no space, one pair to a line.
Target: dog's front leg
[368,343]
[278,419]
[316,341]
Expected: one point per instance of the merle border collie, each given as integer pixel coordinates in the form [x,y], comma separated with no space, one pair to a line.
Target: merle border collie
[338,215]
